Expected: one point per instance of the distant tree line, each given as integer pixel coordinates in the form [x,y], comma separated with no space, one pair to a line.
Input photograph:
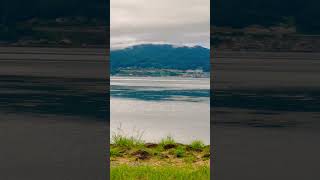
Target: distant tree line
[12,11]
[304,14]
[15,13]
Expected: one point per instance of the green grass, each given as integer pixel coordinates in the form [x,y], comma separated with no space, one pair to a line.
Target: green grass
[180,152]
[167,141]
[115,152]
[132,158]
[128,142]
[197,145]
[125,172]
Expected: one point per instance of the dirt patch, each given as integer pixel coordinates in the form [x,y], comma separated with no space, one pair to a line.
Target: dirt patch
[141,154]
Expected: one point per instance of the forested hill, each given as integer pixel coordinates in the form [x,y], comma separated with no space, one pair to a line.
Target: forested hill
[304,14]
[161,56]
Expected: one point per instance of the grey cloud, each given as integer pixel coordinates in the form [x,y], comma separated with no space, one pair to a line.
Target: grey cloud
[180,22]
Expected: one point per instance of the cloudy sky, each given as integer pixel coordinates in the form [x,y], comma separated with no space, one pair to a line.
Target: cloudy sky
[178,22]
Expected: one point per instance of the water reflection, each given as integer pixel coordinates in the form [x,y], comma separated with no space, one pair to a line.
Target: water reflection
[161,106]
[59,96]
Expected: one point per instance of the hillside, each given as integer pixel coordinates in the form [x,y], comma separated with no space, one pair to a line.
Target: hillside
[160,57]
[54,23]
[265,25]
[303,15]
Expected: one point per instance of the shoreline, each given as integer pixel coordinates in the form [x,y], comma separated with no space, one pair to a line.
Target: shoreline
[135,158]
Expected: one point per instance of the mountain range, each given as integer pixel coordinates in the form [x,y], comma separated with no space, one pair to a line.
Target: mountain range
[160,56]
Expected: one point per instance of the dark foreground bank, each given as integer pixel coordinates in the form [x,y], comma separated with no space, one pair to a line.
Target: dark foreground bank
[53,113]
[265,115]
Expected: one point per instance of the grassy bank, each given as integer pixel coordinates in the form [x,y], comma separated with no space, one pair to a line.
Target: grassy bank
[132,158]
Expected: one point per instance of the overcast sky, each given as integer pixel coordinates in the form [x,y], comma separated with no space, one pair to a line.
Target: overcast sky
[178,22]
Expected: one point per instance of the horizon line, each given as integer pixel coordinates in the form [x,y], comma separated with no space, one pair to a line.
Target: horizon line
[170,44]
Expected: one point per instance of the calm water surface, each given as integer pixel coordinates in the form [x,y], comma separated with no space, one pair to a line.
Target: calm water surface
[160,106]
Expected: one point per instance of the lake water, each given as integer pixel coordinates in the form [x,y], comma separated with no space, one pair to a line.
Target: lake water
[156,107]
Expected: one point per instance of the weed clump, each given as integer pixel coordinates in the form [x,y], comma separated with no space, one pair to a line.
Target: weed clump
[180,152]
[168,143]
[128,142]
[115,152]
[197,145]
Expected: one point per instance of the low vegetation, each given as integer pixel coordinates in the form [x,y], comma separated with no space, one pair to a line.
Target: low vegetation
[132,158]
[162,172]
